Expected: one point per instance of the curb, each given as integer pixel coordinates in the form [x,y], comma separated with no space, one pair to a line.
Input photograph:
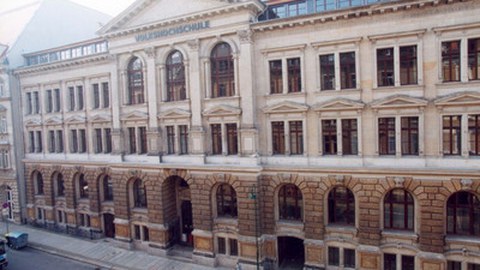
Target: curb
[69,255]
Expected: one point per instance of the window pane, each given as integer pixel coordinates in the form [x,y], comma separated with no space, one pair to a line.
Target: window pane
[385,71]
[278,138]
[386,136]
[221,245]
[327,71]
[347,70]
[296,137]
[349,258]
[451,61]
[474,59]
[408,262]
[409,126]
[452,135]
[329,134]
[276,81]
[349,136]
[408,65]
[233,247]
[294,75]
[474,134]
[333,256]
[389,261]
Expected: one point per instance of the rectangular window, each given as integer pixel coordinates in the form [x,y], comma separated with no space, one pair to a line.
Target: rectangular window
[389,261]
[137,234]
[74,145]
[216,139]
[278,138]
[31,143]
[334,256]
[36,100]
[232,139]
[98,141]
[349,258]
[59,141]
[146,234]
[296,137]
[222,249]
[106,95]
[385,70]
[233,247]
[327,71]
[329,136]
[474,134]
[348,78]
[83,141]
[452,135]
[108,140]
[132,139]
[49,101]
[51,141]
[80,97]
[57,100]
[294,75]
[183,130]
[142,133]
[408,262]
[474,59]
[96,96]
[453,265]
[71,93]
[386,136]
[4,159]
[276,75]
[451,61]
[349,136]
[472,266]
[170,140]
[409,135]
[29,103]
[39,144]
[408,65]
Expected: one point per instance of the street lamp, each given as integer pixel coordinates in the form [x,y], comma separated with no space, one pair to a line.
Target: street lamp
[253,195]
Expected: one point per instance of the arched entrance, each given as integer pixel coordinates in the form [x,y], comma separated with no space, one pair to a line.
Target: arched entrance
[291,253]
[178,211]
[109,225]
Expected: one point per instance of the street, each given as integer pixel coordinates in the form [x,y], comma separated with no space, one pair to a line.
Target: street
[29,258]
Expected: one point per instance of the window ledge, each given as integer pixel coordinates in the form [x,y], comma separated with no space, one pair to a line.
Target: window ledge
[457,83]
[400,87]
[450,239]
[226,221]
[176,102]
[277,95]
[340,91]
[108,203]
[335,228]
[223,98]
[409,235]
[139,210]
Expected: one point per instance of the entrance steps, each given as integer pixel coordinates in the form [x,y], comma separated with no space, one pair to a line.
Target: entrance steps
[181,253]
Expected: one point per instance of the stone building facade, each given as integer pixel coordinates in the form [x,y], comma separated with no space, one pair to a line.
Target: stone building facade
[287,134]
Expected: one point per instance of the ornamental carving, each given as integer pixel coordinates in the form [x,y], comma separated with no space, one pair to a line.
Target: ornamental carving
[246,36]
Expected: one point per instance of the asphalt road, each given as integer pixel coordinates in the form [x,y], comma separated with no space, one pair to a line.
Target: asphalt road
[31,259]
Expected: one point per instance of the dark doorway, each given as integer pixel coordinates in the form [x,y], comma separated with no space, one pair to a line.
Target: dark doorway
[109,226]
[187,223]
[291,253]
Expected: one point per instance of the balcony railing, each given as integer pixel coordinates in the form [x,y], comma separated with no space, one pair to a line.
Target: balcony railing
[304,7]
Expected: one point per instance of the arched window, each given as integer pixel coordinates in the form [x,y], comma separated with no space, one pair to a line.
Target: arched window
[38,181]
[341,206]
[135,81]
[222,71]
[226,201]
[82,186]
[398,210]
[107,188]
[175,77]
[59,185]
[463,214]
[139,194]
[290,202]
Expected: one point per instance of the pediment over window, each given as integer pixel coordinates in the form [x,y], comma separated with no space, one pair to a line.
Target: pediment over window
[75,120]
[286,107]
[52,121]
[101,118]
[222,110]
[399,101]
[135,115]
[459,99]
[339,104]
[33,122]
[175,114]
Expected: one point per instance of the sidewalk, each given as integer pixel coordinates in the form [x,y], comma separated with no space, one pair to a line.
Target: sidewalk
[97,252]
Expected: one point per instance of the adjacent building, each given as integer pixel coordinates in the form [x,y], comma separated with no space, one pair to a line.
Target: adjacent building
[309,134]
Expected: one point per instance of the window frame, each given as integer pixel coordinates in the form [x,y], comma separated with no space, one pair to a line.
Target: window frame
[173,94]
[283,206]
[135,72]
[226,201]
[389,202]
[348,200]
[218,75]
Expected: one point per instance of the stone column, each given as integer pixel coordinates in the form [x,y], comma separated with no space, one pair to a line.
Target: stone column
[248,132]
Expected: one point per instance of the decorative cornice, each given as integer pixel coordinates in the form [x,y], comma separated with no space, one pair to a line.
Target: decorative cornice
[62,64]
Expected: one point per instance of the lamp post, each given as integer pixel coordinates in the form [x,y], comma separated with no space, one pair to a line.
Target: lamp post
[253,195]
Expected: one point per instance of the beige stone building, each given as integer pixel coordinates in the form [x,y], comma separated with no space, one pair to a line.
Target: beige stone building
[313,134]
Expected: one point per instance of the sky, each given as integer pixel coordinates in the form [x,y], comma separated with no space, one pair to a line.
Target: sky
[110,7]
